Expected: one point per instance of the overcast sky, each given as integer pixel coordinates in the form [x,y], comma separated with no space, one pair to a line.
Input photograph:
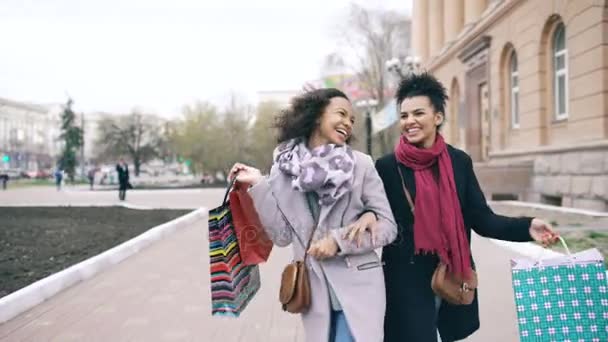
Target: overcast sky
[112,55]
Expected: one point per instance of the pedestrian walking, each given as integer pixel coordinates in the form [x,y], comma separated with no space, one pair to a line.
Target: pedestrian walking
[436,200]
[58,178]
[123,179]
[323,198]
[4,180]
[91,176]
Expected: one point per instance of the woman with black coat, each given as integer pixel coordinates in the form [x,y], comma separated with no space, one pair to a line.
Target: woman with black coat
[448,203]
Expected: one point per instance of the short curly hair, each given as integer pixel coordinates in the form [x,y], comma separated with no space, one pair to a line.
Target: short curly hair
[422,84]
[299,120]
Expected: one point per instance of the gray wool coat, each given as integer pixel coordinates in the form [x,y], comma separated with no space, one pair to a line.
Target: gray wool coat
[355,273]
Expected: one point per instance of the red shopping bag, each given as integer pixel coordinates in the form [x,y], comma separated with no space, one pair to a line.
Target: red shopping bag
[254,244]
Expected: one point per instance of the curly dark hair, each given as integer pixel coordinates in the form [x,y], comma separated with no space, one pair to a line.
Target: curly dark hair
[422,84]
[300,118]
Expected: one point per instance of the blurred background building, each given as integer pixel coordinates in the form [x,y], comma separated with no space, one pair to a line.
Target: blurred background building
[29,135]
[280,97]
[30,141]
[528,87]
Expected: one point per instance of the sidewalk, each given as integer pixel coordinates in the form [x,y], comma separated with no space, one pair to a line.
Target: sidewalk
[161,294]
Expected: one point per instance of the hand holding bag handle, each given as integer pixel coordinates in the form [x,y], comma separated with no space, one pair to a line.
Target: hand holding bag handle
[451,288]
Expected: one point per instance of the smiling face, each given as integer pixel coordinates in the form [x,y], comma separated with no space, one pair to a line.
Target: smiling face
[335,124]
[419,121]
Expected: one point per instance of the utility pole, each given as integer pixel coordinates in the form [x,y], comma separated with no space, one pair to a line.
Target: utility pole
[82,170]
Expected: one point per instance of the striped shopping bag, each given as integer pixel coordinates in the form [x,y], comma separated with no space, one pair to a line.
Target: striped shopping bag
[233,284]
[562,299]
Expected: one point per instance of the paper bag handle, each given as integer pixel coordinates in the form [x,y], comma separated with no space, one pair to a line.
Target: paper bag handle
[540,255]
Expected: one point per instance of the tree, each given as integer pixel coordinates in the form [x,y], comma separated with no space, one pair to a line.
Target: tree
[135,135]
[197,137]
[214,140]
[374,37]
[71,135]
[236,122]
[262,137]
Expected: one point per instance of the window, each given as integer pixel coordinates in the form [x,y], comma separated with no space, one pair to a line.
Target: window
[514,77]
[560,73]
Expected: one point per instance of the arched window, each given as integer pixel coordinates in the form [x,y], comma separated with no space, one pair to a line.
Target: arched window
[514,90]
[560,73]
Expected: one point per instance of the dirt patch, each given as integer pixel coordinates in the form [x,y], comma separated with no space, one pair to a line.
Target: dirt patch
[38,241]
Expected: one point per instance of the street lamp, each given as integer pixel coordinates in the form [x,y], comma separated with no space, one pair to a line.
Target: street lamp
[403,67]
[367,106]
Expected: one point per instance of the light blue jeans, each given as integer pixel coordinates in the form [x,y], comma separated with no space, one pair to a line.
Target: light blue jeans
[437,306]
[339,330]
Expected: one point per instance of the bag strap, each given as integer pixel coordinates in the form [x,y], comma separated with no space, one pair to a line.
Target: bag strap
[312,234]
[407,193]
[315,218]
[228,190]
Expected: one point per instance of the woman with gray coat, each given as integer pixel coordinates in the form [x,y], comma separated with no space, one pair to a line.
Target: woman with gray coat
[317,178]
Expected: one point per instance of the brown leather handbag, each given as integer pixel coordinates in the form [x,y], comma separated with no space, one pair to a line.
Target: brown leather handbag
[449,287]
[454,290]
[294,293]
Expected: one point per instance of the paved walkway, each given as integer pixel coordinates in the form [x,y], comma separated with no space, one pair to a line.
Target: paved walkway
[79,196]
[162,293]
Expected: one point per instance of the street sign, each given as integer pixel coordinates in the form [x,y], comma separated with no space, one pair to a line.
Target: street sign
[385,118]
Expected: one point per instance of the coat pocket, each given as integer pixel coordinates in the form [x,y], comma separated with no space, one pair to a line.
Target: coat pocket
[369,265]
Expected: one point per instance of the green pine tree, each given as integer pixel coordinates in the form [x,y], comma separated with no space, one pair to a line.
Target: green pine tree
[72,139]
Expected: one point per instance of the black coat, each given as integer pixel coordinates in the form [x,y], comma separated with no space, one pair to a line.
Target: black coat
[123,175]
[410,301]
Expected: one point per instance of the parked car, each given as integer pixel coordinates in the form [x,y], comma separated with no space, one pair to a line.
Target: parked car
[12,173]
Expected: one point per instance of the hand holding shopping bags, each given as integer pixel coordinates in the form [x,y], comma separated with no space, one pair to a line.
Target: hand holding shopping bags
[233,283]
[563,298]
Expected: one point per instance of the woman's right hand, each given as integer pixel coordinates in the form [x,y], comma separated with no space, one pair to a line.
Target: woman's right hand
[245,174]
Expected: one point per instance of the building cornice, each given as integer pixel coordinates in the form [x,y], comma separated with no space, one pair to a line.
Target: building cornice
[24,106]
[471,33]
[474,48]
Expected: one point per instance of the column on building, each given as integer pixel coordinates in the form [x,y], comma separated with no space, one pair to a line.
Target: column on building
[435,26]
[473,10]
[420,39]
[454,19]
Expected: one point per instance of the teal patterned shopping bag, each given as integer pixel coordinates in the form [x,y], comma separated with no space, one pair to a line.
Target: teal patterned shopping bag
[562,299]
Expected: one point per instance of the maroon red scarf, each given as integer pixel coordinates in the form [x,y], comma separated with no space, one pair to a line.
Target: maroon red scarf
[438,223]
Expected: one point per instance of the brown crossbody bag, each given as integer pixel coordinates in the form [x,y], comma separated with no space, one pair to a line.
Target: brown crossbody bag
[449,287]
[294,293]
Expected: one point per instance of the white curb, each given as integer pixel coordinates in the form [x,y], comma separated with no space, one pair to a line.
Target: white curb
[530,250]
[553,207]
[39,291]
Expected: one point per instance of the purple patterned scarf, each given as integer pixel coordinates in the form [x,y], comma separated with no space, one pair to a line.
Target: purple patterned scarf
[327,169]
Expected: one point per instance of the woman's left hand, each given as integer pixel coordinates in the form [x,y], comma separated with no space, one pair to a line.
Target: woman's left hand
[543,233]
[325,248]
[356,230]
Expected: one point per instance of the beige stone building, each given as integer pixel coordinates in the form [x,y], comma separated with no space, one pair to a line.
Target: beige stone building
[28,135]
[528,86]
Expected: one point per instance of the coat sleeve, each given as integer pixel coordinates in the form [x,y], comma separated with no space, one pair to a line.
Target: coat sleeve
[484,221]
[268,210]
[374,199]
